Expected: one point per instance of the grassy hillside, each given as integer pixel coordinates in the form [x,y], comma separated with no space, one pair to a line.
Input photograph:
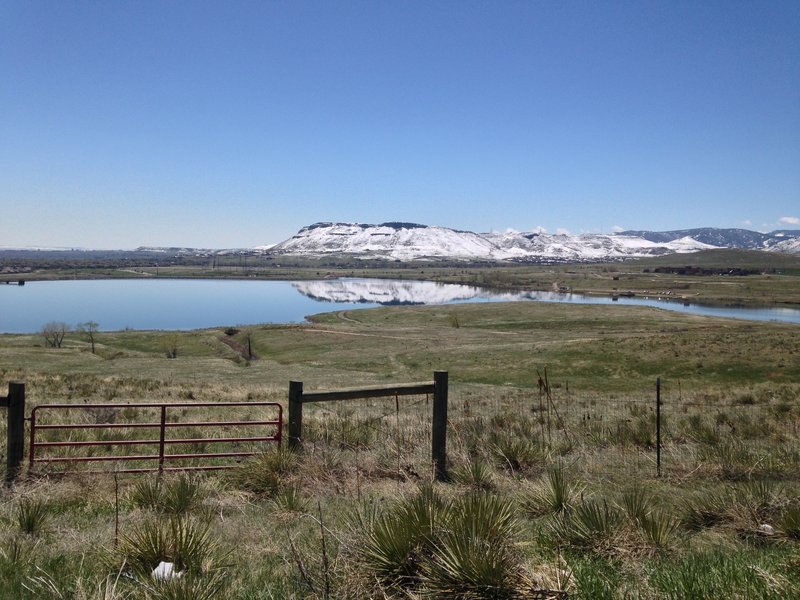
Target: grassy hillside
[553,488]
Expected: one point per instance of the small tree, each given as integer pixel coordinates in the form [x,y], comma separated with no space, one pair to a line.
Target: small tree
[89,330]
[53,333]
[170,345]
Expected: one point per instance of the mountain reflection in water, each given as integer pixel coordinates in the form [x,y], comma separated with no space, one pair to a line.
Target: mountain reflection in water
[394,292]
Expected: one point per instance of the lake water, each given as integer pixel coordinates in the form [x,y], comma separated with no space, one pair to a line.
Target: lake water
[194,303]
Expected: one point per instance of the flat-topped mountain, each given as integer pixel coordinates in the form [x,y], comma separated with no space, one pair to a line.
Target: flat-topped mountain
[412,241]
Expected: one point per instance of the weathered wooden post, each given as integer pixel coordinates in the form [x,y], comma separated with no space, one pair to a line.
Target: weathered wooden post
[295,415]
[439,426]
[15,402]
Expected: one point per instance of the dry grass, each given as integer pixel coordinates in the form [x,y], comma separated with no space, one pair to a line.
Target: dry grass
[565,467]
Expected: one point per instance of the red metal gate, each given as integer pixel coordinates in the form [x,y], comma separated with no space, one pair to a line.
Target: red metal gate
[160,417]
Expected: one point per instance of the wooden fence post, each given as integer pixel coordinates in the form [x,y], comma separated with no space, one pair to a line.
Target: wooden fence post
[295,415]
[439,426]
[16,429]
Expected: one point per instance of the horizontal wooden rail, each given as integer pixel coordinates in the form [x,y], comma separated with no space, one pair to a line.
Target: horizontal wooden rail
[297,397]
[376,392]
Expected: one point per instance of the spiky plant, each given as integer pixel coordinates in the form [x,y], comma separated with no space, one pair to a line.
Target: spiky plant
[466,566]
[515,454]
[146,493]
[637,502]
[182,494]
[658,527]
[705,509]
[554,495]
[475,555]
[395,542]
[32,516]
[290,500]
[484,516]
[590,523]
[790,521]
[476,474]
[184,541]
[266,473]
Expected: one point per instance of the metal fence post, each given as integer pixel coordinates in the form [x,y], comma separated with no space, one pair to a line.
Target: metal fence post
[162,436]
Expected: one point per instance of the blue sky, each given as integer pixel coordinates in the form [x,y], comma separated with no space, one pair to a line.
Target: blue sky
[228,124]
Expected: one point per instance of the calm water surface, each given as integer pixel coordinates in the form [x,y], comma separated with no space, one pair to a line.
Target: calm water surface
[192,303]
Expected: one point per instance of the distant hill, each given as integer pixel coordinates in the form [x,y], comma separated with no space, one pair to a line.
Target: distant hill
[412,241]
[406,242]
[724,238]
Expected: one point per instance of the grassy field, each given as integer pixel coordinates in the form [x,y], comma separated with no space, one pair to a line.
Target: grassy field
[554,489]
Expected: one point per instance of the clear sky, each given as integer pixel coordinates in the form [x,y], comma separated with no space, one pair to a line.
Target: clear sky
[232,123]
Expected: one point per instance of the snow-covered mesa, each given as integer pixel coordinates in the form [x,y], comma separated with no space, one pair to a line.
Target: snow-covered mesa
[409,241]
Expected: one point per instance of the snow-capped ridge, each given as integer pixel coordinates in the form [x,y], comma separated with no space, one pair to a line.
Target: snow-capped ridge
[412,241]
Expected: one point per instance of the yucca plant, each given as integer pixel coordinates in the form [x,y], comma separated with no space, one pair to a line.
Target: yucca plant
[790,521]
[516,454]
[658,527]
[637,502]
[554,495]
[265,473]
[590,523]
[395,542]
[475,474]
[32,516]
[146,493]
[705,510]
[184,541]
[759,501]
[17,557]
[466,566]
[182,494]
[290,499]
[475,555]
[484,516]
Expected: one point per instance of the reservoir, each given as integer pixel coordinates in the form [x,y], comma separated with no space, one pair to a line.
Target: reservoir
[117,304]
